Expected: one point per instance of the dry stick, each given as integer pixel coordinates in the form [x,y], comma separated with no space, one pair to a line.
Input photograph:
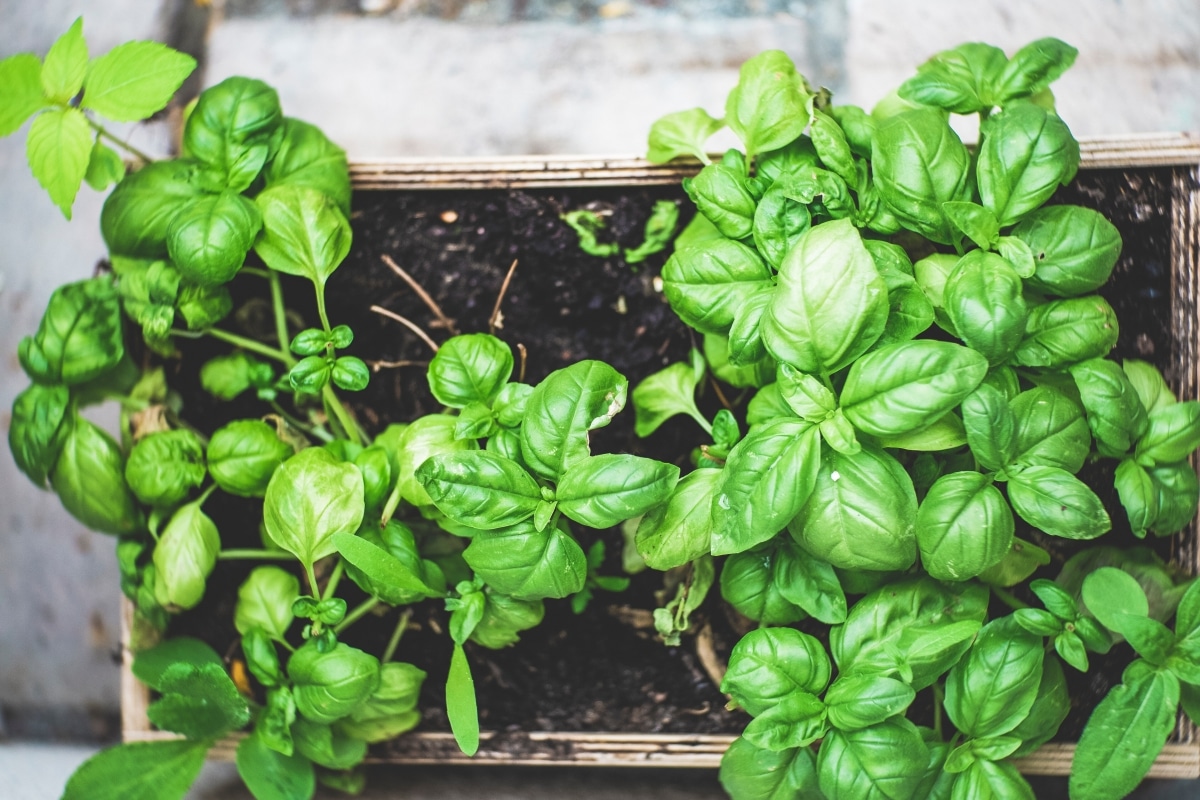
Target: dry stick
[720,395]
[412,326]
[494,320]
[443,320]
[524,353]
[377,366]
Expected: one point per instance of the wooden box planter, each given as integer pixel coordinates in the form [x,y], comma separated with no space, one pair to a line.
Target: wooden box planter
[1172,160]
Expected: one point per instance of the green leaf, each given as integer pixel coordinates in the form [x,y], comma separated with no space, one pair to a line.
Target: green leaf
[201,702]
[330,685]
[682,133]
[1051,430]
[136,215]
[139,771]
[779,222]
[327,746]
[79,337]
[460,702]
[265,602]
[1111,594]
[271,775]
[962,80]
[471,368]
[1050,707]
[605,490]
[861,513]
[680,530]
[243,455]
[304,232]
[808,398]
[234,130]
[165,466]
[66,64]
[504,617]
[135,80]
[754,773]
[104,168]
[1022,560]
[311,497]
[209,237]
[1034,67]
[306,157]
[20,91]
[919,163]
[767,479]
[527,563]
[820,320]
[563,408]
[795,721]
[750,583]
[58,148]
[1074,249]
[919,623]
[884,760]
[809,583]
[37,431]
[768,107]
[831,145]
[668,392]
[991,427]
[983,298]
[426,437]
[859,701]
[1058,503]
[992,689]
[976,222]
[390,577]
[89,478]
[1149,384]
[991,780]
[150,665]
[184,557]
[1172,434]
[908,386]
[769,664]
[480,489]
[1123,736]
[723,193]
[964,526]
[1026,154]
[708,283]
[1114,412]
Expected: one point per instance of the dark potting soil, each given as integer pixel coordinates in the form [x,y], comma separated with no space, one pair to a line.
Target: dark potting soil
[603,670]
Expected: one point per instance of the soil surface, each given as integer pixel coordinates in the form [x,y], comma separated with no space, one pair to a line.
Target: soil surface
[603,670]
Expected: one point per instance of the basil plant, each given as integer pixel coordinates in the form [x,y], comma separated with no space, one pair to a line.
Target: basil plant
[925,355]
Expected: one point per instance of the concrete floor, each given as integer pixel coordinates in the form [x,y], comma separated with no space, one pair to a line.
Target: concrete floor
[456,78]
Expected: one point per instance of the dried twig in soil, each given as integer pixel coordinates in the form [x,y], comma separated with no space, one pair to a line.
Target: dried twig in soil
[412,326]
[442,320]
[495,320]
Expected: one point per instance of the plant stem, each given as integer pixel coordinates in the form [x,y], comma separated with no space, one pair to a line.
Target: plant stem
[701,421]
[394,642]
[280,316]
[939,696]
[244,343]
[349,426]
[100,129]
[311,430]
[359,611]
[321,308]
[312,582]
[254,555]
[1009,599]
[335,578]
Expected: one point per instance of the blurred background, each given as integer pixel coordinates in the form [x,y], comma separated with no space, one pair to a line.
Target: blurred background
[429,78]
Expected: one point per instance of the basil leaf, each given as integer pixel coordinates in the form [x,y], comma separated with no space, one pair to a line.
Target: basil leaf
[304,232]
[962,80]
[1034,67]
[907,386]
[209,237]
[162,770]
[79,336]
[165,466]
[271,775]
[769,664]
[668,392]
[330,685]
[931,274]
[311,497]
[104,168]
[861,512]
[991,427]
[1176,490]
[859,701]
[797,720]
[819,320]
[919,163]
[460,702]
[1114,412]
[135,80]
[680,530]
[681,133]
[791,160]
[809,583]
[807,397]
[767,479]
[563,408]
[749,583]
[884,760]
[976,222]
[779,222]
[946,433]
[983,298]
[38,429]
[746,345]
[471,368]
[480,489]
[964,526]
[1058,503]
[1149,384]
[234,129]
[992,689]
[754,773]
[706,284]
[89,479]
[265,602]
[184,557]
[722,192]
[1050,707]
[985,780]
[716,353]
[918,623]
[1021,561]
[1051,430]
[306,157]
[243,455]
[503,618]
[135,217]
[831,145]
[425,438]
[387,565]
[769,106]
[1025,155]
[910,311]
[1124,735]
[1063,332]
[1074,249]
[326,746]
[1172,434]
[605,490]
[527,563]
